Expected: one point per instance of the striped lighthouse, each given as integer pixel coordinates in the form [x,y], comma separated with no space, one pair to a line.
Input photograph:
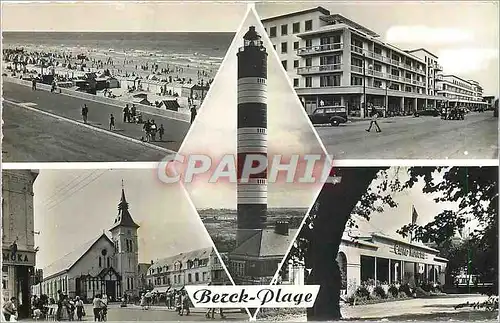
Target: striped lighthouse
[252,134]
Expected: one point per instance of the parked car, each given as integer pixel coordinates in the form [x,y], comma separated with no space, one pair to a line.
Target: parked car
[333,115]
[429,112]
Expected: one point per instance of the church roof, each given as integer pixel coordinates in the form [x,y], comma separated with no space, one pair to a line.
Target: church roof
[267,243]
[124,218]
[69,260]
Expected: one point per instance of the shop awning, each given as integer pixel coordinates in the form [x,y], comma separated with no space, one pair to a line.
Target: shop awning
[160,289]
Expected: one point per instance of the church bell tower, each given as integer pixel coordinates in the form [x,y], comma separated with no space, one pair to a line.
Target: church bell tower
[126,259]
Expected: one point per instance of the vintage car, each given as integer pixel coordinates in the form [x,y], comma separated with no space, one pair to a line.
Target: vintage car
[334,115]
[428,112]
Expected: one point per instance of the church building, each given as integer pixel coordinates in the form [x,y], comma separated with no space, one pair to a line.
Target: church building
[107,264]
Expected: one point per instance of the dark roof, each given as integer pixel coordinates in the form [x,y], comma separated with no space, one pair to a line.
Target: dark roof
[266,243]
[296,13]
[171,105]
[422,49]
[124,218]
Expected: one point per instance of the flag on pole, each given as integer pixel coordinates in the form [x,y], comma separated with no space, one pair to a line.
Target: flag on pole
[414,215]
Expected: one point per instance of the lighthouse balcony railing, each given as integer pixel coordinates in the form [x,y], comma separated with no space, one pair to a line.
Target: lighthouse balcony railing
[319,69]
[319,49]
[261,48]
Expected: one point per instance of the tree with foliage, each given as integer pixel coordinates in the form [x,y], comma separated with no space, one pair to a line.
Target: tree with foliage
[362,191]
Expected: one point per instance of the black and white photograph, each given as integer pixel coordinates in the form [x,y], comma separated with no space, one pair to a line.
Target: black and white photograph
[393,80]
[87,89]
[399,244]
[98,245]
[345,151]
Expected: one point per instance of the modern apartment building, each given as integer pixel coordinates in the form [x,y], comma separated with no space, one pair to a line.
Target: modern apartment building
[460,92]
[335,61]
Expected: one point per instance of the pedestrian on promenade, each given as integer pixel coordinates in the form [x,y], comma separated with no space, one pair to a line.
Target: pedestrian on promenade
[126,114]
[147,130]
[96,306]
[80,312]
[374,121]
[153,130]
[193,113]
[9,309]
[33,84]
[161,132]
[85,113]
[184,303]
[111,122]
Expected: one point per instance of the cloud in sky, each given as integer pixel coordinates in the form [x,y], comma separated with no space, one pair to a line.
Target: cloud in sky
[214,131]
[467,60]
[425,35]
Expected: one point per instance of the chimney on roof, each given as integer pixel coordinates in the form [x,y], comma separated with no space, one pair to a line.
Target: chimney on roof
[281,228]
[152,262]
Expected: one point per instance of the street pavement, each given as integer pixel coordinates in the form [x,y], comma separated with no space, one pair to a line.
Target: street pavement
[440,308]
[33,137]
[424,137]
[135,313]
[70,107]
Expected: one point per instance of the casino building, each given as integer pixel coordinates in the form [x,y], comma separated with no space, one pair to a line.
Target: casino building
[107,264]
[382,259]
[18,237]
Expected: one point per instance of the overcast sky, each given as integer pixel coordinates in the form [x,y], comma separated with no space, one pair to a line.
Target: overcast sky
[289,131]
[463,34]
[73,207]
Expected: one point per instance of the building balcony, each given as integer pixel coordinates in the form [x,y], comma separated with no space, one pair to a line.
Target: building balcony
[438,67]
[319,69]
[319,49]
[358,50]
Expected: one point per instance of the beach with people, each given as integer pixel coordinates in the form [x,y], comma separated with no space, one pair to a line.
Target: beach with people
[146,74]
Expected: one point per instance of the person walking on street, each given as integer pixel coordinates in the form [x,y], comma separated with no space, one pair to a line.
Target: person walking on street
[126,114]
[161,132]
[111,122]
[80,312]
[96,306]
[153,130]
[85,113]
[194,112]
[374,121]
[33,84]
[9,309]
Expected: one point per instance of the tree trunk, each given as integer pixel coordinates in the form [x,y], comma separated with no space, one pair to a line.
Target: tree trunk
[336,202]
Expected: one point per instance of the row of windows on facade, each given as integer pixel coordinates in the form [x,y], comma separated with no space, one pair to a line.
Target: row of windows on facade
[296,28]
[323,41]
[335,80]
[459,97]
[458,90]
[337,60]
[164,280]
[178,266]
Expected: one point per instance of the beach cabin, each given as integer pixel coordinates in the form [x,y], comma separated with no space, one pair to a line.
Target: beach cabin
[171,104]
[140,100]
[152,77]
[112,83]
[133,81]
[174,89]
[194,91]
[154,86]
[141,95]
